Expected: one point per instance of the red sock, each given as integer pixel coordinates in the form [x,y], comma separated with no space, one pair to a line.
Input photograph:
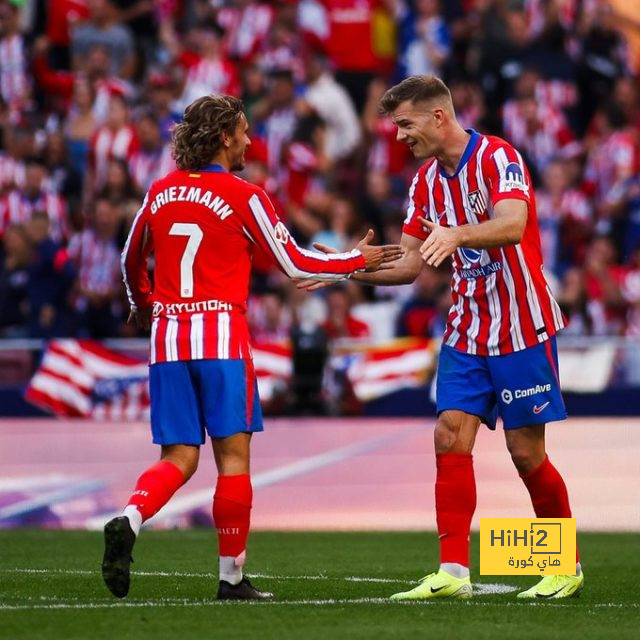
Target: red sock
[548,492]
[232,513]
[455,504]
[154,488]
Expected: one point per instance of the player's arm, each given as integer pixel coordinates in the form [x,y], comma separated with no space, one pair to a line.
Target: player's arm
[404,270]
[506,228]
[265,228]
[134,266]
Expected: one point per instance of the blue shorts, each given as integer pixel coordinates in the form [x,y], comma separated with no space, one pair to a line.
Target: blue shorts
[521,387]
[193,396]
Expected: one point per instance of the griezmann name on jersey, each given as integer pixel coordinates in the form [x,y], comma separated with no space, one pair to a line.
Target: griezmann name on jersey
[501,300]
[201,227]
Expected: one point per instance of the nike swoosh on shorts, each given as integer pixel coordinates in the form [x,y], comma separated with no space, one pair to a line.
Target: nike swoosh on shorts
[541,408]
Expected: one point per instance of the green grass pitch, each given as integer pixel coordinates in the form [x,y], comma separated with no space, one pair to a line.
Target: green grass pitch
[328,585]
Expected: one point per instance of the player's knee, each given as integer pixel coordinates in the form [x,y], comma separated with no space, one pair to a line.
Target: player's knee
[186,459]
[524,459]
[444,436]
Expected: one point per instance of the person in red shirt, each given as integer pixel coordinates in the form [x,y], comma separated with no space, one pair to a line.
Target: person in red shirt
[341,323]
[201,222]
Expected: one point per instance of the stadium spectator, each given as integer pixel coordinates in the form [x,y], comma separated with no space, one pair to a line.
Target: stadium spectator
[351,21]
[15,85]
[269,317]
[50,280]
[278,118]
[603,281]
[160,87]
[116,138]
[428,47]
[14,280]
[574,303]
[419,315]
[104,29]
[559,79]
[119,187]
[332,103]
[565,219]
[80,123]
[36,195]
[612,158]
[246,25]
[96,255]
[153,158]
[341,323]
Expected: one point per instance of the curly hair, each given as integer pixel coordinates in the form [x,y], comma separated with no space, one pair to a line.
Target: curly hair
[198,137]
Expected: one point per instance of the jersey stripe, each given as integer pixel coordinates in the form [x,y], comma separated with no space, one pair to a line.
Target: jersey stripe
[154,334]
[196,336]
[223,335]
[171,339]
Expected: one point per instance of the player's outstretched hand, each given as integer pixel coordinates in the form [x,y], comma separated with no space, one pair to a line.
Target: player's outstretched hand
[314,285]
[440,243]
[140,317]
[375,257]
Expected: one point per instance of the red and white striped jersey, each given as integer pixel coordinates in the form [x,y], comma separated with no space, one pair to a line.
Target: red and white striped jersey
[14,76]
[97,262]
[246,28]
[611,161]
[501,300]
[201,226]
[107,144]
[147,166]
[545,141]
[218,75]
[17,208]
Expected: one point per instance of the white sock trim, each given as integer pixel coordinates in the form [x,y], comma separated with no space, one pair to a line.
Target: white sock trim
[229,570]
[135,518]
[456,570]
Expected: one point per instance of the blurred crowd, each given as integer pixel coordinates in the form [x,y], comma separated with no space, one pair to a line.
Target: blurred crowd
[90,89]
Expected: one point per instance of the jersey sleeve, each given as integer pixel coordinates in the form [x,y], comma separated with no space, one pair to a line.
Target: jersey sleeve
[135,257]
[264,227]
[417,207]
[506,175]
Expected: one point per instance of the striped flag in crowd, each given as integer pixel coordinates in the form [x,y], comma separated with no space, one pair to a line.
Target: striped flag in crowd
[382,369]
[82,378]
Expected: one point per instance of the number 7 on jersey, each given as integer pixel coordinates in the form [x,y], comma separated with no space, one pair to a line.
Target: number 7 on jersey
[194,233]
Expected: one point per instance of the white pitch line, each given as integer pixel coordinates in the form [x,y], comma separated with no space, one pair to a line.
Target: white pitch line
[480,588]
[203,497]
[317,602]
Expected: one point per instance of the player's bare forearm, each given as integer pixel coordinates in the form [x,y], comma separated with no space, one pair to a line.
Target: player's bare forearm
[400,270]
[403,271]
[505,229]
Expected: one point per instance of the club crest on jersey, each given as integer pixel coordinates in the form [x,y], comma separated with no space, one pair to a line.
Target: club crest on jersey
[513,178]
[281,233]
[477,202]
[158,308]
